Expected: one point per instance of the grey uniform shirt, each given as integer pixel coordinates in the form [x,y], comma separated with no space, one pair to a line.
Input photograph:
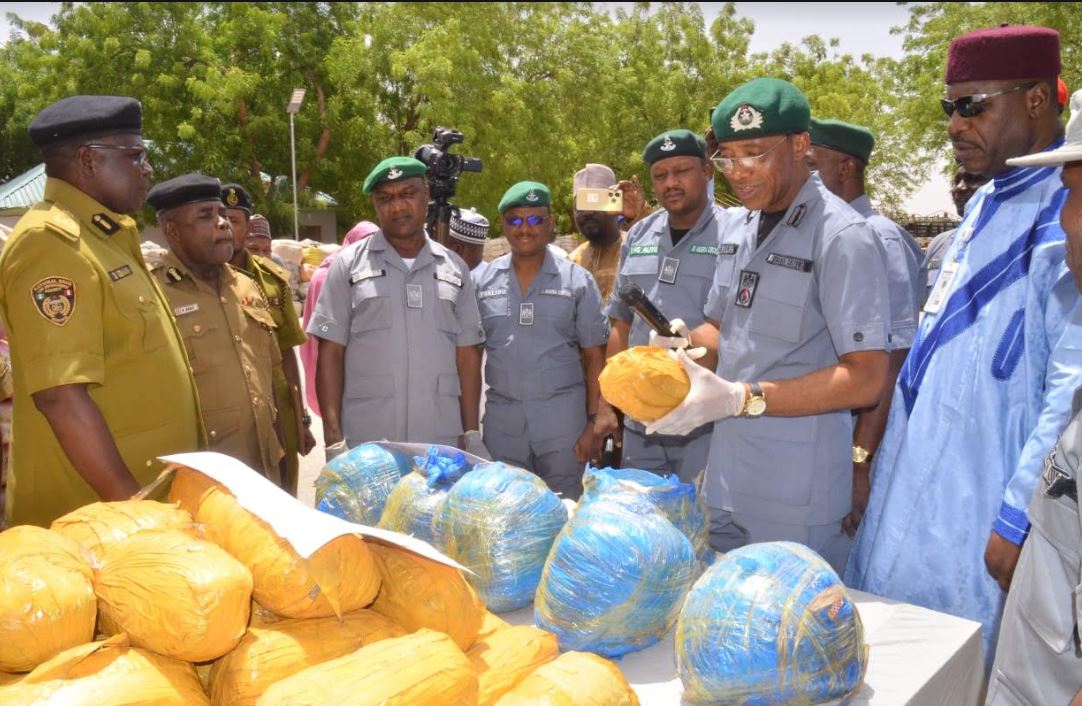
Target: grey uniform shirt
[400,327]
[676,278]
[933,259]
[533,364]
[814,291]
[902,258]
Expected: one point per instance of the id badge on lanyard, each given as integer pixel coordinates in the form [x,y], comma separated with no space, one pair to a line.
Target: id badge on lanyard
[942,288]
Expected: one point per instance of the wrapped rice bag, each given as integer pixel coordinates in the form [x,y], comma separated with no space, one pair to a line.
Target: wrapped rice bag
[573,679]
[355,485]
[98,525]
[770,624]
[508,656]
[644,382]
[414,503]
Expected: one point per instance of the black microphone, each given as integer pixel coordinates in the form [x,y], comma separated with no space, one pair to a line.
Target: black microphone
[632,295]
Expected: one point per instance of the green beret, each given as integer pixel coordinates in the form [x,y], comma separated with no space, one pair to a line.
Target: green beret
[394,169]
[854,140]
[527,194]
[765,106]
[674,143]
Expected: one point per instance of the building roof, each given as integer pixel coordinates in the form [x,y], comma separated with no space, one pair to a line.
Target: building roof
[20,193]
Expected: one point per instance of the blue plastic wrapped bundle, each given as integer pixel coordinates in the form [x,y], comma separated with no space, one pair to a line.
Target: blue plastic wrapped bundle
[679,501]
[615,577]
[417,498]
[770,624]
[500,521]
[355,485]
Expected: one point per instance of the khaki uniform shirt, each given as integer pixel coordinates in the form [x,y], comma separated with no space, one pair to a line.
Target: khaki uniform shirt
[80,307]
[230,338]
[602,262]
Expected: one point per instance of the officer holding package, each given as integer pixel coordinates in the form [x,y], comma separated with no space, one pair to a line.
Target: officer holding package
[399,349]
[102,383]
[800,297]
[671,254]
[224,320]
[543,325]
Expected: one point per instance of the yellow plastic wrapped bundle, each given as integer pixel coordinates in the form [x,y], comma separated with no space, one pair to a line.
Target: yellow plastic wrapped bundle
[107,673]
[269,655]
[491,623]
[313,256]
[338,578]
[421,669]
[506,657]
[6,678]
[176,595]
[47,599]
[421,593]
[573,679]
[261,617]
[644,382]
[99,525]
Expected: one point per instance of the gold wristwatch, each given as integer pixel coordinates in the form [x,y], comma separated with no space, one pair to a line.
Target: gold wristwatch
[861,454]
[755,405]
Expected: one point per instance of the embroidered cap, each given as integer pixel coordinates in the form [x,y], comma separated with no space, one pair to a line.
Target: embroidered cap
[765,106]
[674,143]
[526,194]
[394,169]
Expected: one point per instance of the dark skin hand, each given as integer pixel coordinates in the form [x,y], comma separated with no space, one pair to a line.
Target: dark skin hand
[1000,558]
[330,377]
[84,436]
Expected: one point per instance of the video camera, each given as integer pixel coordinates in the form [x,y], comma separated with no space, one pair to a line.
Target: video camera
[444,168]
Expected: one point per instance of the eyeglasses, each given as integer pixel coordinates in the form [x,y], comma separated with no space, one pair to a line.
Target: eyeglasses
[726,164]
[974,105]
[519,220]
[138,153]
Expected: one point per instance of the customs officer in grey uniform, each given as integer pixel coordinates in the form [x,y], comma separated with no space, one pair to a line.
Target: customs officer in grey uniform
[543,326]
[1038,659]
[801,301]
[840,152]
[671,254]
[399,349]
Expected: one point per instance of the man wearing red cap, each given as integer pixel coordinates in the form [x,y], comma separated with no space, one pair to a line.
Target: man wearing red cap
[987,385]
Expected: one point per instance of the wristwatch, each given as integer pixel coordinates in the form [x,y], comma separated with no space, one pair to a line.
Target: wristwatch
[755,405]
[306,418]
[861,454]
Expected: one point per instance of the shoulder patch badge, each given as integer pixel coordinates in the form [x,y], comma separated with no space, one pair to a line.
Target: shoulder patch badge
[746,118]
[104,223]
[54,298]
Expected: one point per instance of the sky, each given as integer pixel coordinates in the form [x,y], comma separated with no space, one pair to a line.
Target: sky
[860,28]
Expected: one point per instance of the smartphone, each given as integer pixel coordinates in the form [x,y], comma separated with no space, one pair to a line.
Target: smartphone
[607,200]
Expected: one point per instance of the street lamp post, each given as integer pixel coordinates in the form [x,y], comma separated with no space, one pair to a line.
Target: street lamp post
[293,108]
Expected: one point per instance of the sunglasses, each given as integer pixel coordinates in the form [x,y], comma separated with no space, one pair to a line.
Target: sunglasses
[137,153]
[974,105]
[726,164]
[519,220]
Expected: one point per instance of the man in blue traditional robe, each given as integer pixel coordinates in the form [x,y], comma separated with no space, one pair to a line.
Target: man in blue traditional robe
[987,386]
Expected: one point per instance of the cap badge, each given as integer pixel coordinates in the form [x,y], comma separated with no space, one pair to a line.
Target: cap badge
[232,199]
[394,173]
[532,196]
[668,145]
[746,118]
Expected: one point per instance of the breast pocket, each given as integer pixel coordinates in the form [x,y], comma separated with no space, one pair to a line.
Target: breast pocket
[447,295]
[496,320]
[137,302]
[777,309]
[259,331]
[642,269]
[371,304]
[204,342]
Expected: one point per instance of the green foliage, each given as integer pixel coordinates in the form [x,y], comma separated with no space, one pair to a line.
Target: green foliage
[538,88]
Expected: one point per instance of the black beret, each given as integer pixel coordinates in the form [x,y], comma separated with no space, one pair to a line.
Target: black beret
[236,196]
[674,143]
[182,190]
[86,117]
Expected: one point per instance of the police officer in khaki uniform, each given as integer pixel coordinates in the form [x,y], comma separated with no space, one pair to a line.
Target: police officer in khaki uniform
[399,349]
[274,281]
[223,318]
[102,383]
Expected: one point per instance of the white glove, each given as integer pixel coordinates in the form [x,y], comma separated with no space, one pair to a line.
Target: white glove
[709,399]
[682,341]
[335,450]
[473,444]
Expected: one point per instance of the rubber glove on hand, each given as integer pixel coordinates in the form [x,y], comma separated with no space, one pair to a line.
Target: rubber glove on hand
[710,398]
[473,444]
[682,340]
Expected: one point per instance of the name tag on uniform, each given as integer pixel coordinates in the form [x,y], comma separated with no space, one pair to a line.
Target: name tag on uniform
[669,266]
[449,278]
[704,250]
[745,293]
[362,276]
[941,289]
[789,262]
[525,314]
[414,296]
[120,273]
[727,249]
[556,292]
[188,309]
[487,293]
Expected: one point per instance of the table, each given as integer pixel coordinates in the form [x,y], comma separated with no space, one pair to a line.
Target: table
[917,657]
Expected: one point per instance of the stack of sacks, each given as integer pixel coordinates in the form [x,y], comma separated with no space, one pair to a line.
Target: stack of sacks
[355,485]
[107,673]
[153,253]
[573,679]
[506,657]
[98,526]
[679,501]
[291,252]
[615,578]
[644,382]
[339,577]
[499,522]
[47,599]
[422,593]
[414,503]
[176,595]
[422,669]
[770,624]
[268,655]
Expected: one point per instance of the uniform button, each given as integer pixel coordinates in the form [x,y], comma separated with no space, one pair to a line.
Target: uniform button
[255,400]
[197,328]
[149,463]
[223,299]
[141,299]
[236,338]
[213,434]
